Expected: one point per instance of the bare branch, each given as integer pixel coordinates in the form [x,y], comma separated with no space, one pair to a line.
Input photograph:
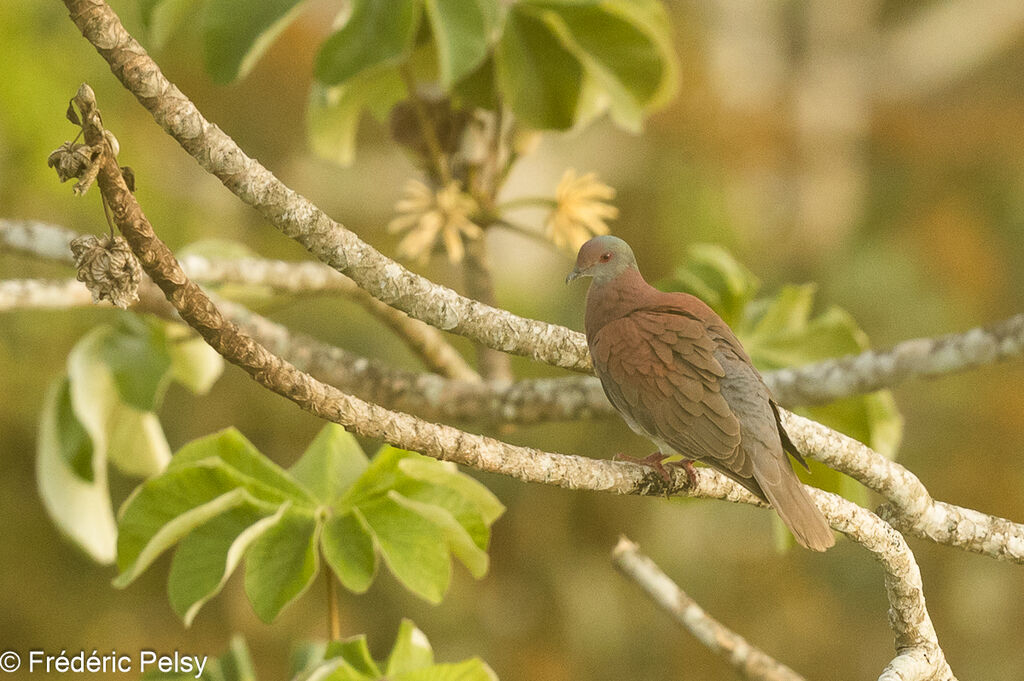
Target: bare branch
[751,662]
[532,400]
[299,219]
[16,294]
[51,242]
[911,508]
[835,379]
[38,239]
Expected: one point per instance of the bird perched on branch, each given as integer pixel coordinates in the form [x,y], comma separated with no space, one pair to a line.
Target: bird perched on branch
[678,376]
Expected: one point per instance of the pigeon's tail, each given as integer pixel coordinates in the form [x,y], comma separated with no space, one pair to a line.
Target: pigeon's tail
[791,501]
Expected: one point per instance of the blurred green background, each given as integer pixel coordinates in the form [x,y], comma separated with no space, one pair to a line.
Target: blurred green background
[875,149]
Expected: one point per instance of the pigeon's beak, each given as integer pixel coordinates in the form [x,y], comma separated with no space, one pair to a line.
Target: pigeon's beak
[575,274]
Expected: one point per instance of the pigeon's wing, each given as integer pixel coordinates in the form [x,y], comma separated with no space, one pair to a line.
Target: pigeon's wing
[659,369]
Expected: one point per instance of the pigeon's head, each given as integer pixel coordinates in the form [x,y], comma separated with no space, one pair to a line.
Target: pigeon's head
[603,258]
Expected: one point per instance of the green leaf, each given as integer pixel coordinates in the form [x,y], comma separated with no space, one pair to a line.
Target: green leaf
[446,474]
[271,481]
[334,112]
[411,659]
[79,506]
[375,34]
[74,446]
[621,57]
[412,546]
[281,564]
[236,664]
[91,386]
[478,88]
[331,463]
[468,670]
[139,361]
[165,509]
[788,311]
[537,76]
[460,29]
[411,650]
[379,477]
[161,18]
[206,558]
[236,33]
[138,446]
[356,652]
[712,274]
[194,363]
[462,544]
[348,550]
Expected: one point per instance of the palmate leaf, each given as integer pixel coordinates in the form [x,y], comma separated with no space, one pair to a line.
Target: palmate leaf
[783,331]
[374,34]
[221,500]
[411,659]
[104,412]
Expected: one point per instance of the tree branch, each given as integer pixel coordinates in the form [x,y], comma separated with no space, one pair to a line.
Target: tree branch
[20,294]
[299,219]
[300,277]
[751,662]
[908,615]
[835,379]
[50,242]
[531,400]
[910,508]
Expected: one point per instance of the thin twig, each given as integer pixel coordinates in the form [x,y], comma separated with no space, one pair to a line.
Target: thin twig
[751,662]
[831,380]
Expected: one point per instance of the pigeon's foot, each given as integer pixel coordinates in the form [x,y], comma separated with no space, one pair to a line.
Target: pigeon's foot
[656,461]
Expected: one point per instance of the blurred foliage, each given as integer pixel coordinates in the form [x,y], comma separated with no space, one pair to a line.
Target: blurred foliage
[220,499]
[411,659]
[554,63]
[104,410]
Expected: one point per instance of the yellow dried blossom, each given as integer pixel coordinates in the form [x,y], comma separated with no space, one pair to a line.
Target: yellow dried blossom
[430,217]
[580,210]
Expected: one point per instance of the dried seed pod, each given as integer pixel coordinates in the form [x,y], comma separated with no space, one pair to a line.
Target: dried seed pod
[108,268]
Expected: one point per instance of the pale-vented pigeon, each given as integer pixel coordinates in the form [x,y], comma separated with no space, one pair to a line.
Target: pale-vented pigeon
[677,375]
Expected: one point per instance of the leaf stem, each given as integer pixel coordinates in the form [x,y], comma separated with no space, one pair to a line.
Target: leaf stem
[426,126]
[333,614]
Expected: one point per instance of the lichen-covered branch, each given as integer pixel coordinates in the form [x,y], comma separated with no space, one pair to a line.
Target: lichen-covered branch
[835,379]
[908,614]
[918,653]
[21,294]
[299,219]
[51,242]
[751,662]
[910,507]
[305,277]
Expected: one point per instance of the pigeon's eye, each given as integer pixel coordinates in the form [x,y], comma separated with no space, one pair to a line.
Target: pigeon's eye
[605,257]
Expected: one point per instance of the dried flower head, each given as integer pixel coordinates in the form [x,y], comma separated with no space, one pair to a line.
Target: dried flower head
[108,268]
[580,210]
[70,160]
[431,217]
